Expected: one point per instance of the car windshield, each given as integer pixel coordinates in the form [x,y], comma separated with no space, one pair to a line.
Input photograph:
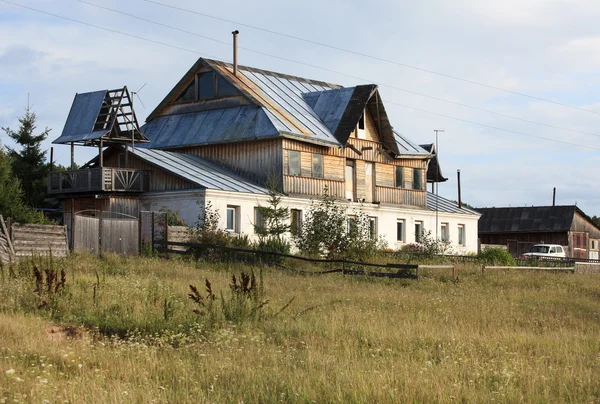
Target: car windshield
[539,249]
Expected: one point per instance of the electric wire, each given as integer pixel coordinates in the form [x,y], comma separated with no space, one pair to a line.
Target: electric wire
[338,72]
[196,52]
[405,65]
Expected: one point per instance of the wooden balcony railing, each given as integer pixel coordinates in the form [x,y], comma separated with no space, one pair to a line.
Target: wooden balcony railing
[98,179]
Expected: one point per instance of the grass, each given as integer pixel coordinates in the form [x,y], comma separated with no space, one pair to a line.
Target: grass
[124,330]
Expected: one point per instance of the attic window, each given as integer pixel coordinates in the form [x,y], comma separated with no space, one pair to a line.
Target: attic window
[206,86]
[189,94]
[360,130]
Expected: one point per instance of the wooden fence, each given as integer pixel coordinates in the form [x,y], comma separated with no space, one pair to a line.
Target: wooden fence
[116,235]
[24,240]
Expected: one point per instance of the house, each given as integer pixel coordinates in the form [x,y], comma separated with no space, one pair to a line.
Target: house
[224,130]
[519,228]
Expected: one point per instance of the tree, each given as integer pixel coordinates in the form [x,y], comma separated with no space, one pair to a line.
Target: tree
[329,229]
[596,220]
[12,202]
[29,164]
[272,222]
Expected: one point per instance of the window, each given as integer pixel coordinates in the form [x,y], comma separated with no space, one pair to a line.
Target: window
[206,86]
[593,245]
[294,163]
[444,236]
[461,234]
[224,89]
[400,230]
[259,220]
[418,232]
[295,220]
[373,227]
[189,94]
[399,177]
[351,225]
[232,218]
[360,131]
[417,180]
[317,165]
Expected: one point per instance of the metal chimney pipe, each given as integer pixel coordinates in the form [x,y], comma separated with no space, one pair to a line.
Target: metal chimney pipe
[235,47]
[459,199]
[554,197]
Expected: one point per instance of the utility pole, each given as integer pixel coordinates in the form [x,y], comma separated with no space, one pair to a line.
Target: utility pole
[437,181]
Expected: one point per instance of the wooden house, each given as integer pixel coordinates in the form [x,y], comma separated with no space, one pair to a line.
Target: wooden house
[223,131]
[519,228]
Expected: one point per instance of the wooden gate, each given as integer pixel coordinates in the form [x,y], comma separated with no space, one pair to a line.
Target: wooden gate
[95,231]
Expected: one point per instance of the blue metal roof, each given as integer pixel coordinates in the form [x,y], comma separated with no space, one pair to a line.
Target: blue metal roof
[445,205]
[82,117]
[206,127]
[197,170]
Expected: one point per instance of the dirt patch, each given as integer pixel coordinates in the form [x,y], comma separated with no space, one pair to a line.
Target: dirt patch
[61,333]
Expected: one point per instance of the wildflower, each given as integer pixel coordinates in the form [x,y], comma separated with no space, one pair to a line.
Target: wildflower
[9,372]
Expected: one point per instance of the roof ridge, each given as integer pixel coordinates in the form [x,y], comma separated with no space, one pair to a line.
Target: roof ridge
[277,74]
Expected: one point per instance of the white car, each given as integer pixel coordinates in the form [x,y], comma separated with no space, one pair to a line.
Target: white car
[546,250]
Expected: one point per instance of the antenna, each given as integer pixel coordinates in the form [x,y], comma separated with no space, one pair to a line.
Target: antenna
[136,93]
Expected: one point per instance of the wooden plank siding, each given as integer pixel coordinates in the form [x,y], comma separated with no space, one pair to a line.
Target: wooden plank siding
[334,162]
[160,180]
[257,161]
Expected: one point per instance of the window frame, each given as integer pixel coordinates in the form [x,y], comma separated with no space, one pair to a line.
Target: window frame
[318,157]
[295,227]
[373,227]
[299,172]
[402,238]
[399,169]
[462,235]
[417,173]
[445,232]
[419,235]
[235,219]
[259,220]
[361,133]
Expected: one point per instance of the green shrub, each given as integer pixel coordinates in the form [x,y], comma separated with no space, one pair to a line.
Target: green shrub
[497,256]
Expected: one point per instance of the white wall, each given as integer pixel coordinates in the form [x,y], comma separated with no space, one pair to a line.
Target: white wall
[387,217]
[188,205]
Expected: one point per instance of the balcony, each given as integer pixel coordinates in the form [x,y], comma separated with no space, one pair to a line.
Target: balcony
[99,179]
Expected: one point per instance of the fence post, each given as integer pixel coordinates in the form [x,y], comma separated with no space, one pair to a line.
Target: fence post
[166,245]
[152,238]
[483,270]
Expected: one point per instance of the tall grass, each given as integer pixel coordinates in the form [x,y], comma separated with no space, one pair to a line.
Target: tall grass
[506,337]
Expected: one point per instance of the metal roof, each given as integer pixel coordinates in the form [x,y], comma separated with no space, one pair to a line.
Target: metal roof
[434,171]
[82,117]
[197,170]
[446,205]
[406,147]
[526,219]
[206,127]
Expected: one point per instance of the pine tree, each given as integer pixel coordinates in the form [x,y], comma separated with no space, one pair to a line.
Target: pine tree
[12,203]
[29,164]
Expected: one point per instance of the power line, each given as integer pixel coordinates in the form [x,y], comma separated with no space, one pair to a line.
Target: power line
[372,57]
[106,29]
[490,126]
[193,51]
[337,72]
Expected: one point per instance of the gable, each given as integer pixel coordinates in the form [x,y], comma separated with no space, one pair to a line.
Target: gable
[105,115]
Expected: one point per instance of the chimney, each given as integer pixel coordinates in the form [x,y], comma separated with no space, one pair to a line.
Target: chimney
[458,178]
[235,61]
[554,197]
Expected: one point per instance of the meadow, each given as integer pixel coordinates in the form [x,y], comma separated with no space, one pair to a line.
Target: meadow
[117,329]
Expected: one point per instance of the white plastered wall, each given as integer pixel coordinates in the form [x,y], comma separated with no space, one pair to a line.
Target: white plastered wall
[188,206]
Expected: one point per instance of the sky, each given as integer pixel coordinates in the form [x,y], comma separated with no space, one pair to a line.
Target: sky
[547,49]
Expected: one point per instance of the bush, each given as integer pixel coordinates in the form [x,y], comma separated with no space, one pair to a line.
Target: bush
[496,256]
